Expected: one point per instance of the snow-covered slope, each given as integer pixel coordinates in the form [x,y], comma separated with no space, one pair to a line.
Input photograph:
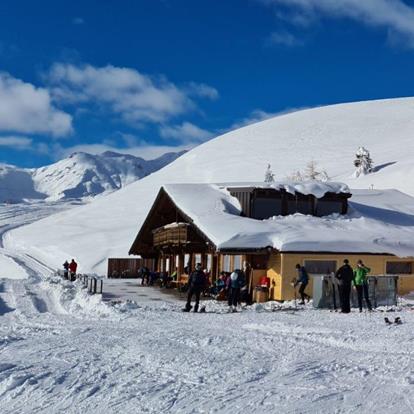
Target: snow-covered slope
[78,176]
[329,135]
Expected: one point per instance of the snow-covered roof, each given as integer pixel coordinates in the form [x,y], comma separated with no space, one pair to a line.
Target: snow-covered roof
[316,188]
[380,221]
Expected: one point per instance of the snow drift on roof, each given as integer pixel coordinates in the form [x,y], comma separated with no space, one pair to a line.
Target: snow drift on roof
[316,188]
[378,222]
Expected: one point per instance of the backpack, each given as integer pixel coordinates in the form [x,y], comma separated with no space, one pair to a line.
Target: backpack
[234,276]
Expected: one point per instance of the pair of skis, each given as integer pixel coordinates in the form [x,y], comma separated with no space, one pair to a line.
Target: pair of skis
[397,321]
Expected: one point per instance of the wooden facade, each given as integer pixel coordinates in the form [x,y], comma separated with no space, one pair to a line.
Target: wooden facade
[262,203]
[127,267]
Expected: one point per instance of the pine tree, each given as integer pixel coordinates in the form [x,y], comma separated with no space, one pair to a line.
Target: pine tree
[269,176]
[363,162]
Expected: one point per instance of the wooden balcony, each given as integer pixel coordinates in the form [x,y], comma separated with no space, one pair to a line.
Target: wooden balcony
[174,234]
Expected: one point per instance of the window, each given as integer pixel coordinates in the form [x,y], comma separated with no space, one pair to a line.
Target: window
[198,258]
[226,263]
[320,267]
[266,207]
[399,268]
[209,262]
[325,207]
[167,264]
[237,262]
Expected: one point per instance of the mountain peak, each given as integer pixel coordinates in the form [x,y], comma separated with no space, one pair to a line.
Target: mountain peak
[79,175]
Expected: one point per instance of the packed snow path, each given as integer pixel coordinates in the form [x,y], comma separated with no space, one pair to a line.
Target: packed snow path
[17,264]
[115,290]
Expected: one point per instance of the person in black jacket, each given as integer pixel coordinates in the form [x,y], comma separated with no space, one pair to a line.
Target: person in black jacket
[196,284]
[66,269]
[302,280]
[345,275]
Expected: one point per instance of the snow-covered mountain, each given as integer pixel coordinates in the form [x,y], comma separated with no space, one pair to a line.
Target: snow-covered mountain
[328,135]
[78,176]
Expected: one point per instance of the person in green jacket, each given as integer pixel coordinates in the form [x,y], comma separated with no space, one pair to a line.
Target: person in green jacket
[361,284]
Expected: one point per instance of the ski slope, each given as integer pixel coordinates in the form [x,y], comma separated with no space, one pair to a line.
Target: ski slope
[64,351]
[328,135]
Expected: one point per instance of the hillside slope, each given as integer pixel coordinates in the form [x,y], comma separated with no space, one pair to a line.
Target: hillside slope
[328,135]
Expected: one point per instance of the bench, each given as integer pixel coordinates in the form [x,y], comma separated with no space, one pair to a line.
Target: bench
[180,282]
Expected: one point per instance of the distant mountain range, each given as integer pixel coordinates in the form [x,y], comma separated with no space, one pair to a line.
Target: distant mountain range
[81,175]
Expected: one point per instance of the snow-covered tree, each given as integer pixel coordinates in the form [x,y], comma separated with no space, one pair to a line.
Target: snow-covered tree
[311,172]
[296,176]
[269,176]
[363,162]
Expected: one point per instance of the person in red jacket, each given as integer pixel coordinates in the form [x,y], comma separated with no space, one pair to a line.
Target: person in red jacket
[72,268]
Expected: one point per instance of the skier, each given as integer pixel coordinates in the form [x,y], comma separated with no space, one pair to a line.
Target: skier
[236,281]
[72,268]
[361,284]
[303,280]
[345,275]
[65,269]
[196,284]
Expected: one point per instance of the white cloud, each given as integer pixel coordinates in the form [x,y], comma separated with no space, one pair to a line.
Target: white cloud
[16,142]
[185,133]
[22,143]
[284,38]
[393,15]
[25,108]
[202,90]
[126,92]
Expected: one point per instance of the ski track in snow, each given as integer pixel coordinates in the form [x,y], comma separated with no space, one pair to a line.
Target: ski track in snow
[64,351]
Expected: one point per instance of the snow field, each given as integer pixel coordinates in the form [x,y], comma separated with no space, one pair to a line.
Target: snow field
[77,357]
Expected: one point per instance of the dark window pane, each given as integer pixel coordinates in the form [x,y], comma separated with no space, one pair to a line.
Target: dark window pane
[399,268]
[320,267]
[267,207]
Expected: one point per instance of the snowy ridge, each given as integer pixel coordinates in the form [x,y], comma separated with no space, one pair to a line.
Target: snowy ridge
[328,135]
[81,175]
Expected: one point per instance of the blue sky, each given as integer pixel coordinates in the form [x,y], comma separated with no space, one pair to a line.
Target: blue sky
[149,76]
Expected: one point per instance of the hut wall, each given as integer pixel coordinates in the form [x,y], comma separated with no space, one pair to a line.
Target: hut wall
[274,272]
[377,263]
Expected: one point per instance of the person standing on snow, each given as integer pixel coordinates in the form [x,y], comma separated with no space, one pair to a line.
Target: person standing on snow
[361,284]
[345,275]
[66,269]
[236,281]
[72,267]
[302,280]
[196,284]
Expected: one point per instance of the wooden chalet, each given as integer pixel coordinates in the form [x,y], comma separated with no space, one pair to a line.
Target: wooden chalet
[174,238]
